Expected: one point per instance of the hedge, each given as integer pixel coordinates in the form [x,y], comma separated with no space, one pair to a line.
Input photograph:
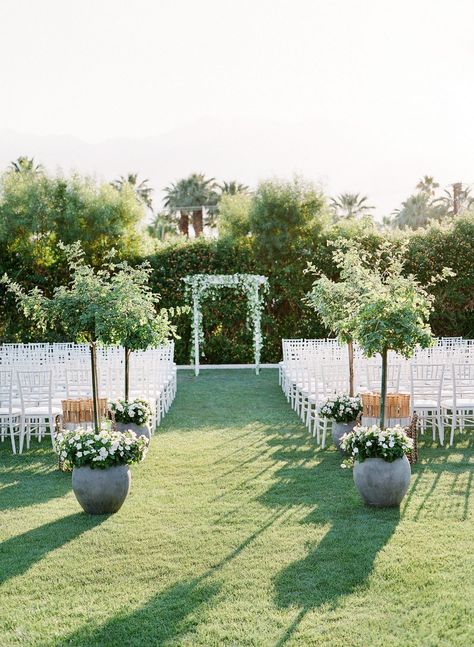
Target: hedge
[226,338]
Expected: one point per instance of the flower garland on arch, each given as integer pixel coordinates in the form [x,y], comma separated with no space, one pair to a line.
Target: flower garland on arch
[254,286]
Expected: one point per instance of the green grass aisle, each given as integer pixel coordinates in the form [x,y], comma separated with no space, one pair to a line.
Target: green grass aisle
[238,531]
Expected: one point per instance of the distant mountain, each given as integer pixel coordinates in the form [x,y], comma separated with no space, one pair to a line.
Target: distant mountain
[245,149]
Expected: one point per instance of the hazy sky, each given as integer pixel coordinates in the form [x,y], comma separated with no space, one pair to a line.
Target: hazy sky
[382,90]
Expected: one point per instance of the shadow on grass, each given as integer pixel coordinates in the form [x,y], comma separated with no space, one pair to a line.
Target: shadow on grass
[343,560]
[170,615]
[437,463]
[31,478]
[20,552]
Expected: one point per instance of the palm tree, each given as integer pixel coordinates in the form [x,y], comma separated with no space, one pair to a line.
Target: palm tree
[457,200]
[175,198]
[190,196]
[417,211]
[233,188]
[25,164]
[142,190]
[350,205]
[428,185]
[161,225]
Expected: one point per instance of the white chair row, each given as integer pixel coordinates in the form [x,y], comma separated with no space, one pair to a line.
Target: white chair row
[441,384]
[35,378]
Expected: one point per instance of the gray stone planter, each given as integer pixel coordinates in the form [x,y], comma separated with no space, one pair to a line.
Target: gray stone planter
[380,483]
[338,430]
[140,430]
[101,491]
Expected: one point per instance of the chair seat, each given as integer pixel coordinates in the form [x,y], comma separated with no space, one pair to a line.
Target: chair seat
[42,411]
[426,404]
[461,403]
[4,411]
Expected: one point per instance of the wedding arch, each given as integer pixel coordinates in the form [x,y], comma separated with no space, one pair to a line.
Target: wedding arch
[199,286]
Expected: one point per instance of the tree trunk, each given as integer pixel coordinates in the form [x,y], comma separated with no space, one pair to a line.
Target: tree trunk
[95,386]
[184,223]
[457,189]
[198,222]
[350,348]
[383,388]
[127,372]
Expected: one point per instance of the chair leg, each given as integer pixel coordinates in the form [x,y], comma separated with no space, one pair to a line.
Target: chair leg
[453,427]
[12,436]
[440,429]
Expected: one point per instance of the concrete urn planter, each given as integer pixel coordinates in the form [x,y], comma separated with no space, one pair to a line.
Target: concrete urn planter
[338,430]
[101,491]
[140,430]
[380,483]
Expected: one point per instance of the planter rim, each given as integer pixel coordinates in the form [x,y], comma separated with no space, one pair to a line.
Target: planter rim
[379,458]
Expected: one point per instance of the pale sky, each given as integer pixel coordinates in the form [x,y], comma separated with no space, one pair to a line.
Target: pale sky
[361,95]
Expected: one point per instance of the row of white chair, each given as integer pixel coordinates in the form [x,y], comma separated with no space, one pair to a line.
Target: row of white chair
[442,394]
[33,381]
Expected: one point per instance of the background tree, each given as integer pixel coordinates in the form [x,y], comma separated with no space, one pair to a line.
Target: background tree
[428,185]
[38,210]
[350,205]
[284,216]
[162,225]
[456,201]
[417,211]
[233,217]
[175,200]
[191,195]
[25,164]
[233,188]
[141,189]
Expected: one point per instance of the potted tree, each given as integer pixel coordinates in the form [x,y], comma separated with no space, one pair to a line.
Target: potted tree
[393,316]
[89,310]
[138,324]
[337,304]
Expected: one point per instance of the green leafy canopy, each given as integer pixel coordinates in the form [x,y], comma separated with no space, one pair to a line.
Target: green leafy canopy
[111,305]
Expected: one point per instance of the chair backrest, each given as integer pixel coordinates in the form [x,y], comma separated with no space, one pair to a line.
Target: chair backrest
[6,389]
[463,382]
[78,382]
[374,377]
[334,378]
[426,382]
[35,388]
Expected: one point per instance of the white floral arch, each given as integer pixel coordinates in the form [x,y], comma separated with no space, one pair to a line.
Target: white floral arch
[199,286]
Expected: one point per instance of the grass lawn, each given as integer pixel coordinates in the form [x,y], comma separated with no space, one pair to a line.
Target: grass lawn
[237,531]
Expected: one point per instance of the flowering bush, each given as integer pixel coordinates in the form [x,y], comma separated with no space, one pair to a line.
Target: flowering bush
[342,408]
[373,442]
[137,411]
[100,450]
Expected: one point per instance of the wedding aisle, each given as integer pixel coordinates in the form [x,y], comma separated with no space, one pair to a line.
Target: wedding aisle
[238,531]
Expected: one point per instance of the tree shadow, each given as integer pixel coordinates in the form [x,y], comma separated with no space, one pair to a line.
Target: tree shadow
[31,478]
[435,465]
[171,614]
[343,560]
[20,552]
